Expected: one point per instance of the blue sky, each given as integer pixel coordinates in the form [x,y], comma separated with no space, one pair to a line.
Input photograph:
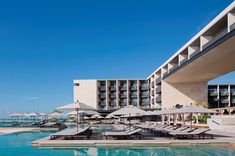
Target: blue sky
[45,45]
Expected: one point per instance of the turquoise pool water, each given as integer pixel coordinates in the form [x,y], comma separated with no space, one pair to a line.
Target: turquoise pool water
[19,145]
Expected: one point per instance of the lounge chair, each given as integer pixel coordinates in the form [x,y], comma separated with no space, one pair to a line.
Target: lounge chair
[70,134]
[57,125]
[190,133]
[124,134]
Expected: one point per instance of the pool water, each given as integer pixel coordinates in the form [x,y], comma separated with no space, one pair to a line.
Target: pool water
[19,144]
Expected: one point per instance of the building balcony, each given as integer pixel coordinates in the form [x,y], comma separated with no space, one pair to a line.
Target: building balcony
[144,103]
[112,88]
[123,95]
[213,93]
[164,74]
[112,96]
[123,103]
[224,101]
[152,84]
[194,53]
[112,103]
[233,93]
[123,88]
[158,81]
[224,93]
[144,87]
[102,103]
[184,60]
[134,87]
[133,103]
[158,99]
[133,95]
[102,96]
[159,89]
[233,101]
[216,37]
[145,95]
[102,88]
[173,68]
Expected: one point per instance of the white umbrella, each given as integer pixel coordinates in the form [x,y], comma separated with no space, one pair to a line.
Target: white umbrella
[76,106]
[42,114]
[86,118]
[87,112]
[16,115]
[193,109]
[96,116]
[33,114]
[129,111]
[55,115]
[110,116]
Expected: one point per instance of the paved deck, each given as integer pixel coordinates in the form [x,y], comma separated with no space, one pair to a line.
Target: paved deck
[157,141]
[10,130]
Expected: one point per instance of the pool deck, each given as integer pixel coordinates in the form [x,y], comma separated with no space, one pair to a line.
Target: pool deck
[157,141]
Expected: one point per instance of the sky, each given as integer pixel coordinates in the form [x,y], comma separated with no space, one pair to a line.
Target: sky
[45,45]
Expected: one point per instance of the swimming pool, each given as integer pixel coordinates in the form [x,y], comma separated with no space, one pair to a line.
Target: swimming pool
[19,144]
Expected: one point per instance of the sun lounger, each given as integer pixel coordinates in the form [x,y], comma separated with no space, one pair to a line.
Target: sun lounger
[70,134]
[190,133]
[124,135]
[53,125]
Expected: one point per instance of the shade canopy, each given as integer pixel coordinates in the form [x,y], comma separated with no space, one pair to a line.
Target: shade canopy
[110,116]
[55,115]
[86,118]
[76,106]
[96,116]
[87,112]
[16,115]
[33,114]
[193,109]
[163,111]
[129,111]
[42,114]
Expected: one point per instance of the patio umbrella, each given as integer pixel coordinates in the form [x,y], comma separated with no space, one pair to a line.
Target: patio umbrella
[55,115]
[16,115]
[110,116]
[76,106]
[96,116]
[129,111]
[33,114]
[192,109]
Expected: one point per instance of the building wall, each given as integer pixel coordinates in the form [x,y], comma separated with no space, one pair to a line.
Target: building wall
[86,91]
[183,93]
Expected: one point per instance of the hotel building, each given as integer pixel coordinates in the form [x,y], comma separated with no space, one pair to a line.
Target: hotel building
[182,79]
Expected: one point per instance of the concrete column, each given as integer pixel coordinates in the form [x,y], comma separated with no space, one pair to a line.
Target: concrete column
[138,93]
[107,94]
[183,93]
[204,40]
[128,92]
[231,20]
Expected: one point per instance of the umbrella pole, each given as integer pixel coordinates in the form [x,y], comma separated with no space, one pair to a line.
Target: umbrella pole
[77,119]
[191,117]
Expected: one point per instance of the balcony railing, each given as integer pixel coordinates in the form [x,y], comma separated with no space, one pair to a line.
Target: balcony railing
[123,95]
[158,80]
[158,99]
[145,95]
[102,88]
[112,103]
[224,101]
[112,88]
[213,93]
[133,95]
[102,95]
[224,93]
[112,95]
[123,103]
[123,87]
[233,100]
[232,27]
[233,93]
[133,87]
[144,87]
[133,103]
[216,38]
[102,103]
[158,89]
